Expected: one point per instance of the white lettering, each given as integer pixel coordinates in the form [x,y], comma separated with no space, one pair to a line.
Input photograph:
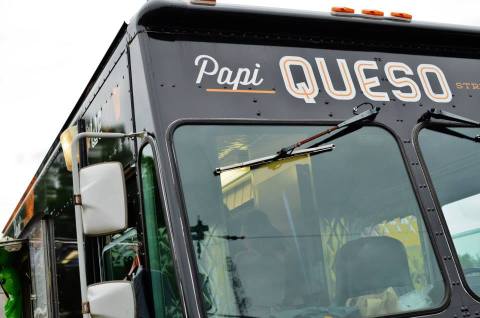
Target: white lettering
[226,76]
[366,84]
[254,80]
[95,125]
[414,95]
[306,90]
[349,92]
[245,72]
[446,95]
[203,69]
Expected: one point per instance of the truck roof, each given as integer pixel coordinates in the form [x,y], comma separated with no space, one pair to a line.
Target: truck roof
[224,18]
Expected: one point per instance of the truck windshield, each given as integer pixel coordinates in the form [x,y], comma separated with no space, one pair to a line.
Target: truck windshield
[452,157]
[338,234]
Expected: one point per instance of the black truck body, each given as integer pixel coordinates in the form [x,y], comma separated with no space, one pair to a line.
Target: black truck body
[179,64]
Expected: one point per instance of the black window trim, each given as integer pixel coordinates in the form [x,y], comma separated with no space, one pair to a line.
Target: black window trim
[150,140]
[170,131]
[438,207]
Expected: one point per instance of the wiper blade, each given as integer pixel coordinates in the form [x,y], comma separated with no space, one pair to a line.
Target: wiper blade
[441,114]
[254,163]
[366,115]
[450,132]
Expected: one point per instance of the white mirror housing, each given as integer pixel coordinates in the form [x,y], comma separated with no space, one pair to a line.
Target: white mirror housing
[103,199]
[112,300]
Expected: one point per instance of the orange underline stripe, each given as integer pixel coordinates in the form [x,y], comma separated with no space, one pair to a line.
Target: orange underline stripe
[251,91]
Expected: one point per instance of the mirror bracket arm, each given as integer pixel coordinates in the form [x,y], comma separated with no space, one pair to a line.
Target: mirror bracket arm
[85,308]
[78,210]
[77,199]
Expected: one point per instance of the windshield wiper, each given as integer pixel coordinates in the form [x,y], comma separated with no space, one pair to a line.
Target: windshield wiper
[289,151]
[254,163]
[441,114]
[453,133]
[366,115]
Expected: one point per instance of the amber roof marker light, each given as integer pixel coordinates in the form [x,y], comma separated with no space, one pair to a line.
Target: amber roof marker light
[401,16]
[342,11]
[371,14]
[374,14]
[204,2]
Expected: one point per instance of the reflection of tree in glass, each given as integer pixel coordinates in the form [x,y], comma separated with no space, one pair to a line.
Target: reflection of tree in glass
[166,264]
[469,261]
[173,307]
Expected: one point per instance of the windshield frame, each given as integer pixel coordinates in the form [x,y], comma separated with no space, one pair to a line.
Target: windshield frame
[184,215]
[151,141]
[438,207]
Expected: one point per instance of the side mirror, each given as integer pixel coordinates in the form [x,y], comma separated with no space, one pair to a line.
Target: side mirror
[112,300]
[104,199]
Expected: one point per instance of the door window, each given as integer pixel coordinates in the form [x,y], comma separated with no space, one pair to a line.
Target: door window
[163,280]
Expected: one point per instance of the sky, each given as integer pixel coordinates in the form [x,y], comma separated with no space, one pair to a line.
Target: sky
[50,49]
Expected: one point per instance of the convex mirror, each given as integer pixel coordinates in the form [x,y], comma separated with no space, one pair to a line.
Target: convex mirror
[104,199]
[112,300]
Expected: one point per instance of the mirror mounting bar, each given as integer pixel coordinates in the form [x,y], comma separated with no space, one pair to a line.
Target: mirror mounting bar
[78,208]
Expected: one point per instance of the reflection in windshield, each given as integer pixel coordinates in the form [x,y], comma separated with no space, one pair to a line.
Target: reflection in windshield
[337,235]
[452,160]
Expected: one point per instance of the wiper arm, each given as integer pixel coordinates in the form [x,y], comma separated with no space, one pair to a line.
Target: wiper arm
[450,132]
[288,152]
[441,114]
[339,134]
[254,163]
[366,115]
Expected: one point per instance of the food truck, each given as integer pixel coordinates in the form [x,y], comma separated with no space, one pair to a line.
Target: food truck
[231,161]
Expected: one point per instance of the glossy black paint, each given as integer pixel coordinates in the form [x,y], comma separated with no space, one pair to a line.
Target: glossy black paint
[155,84]
[170,48]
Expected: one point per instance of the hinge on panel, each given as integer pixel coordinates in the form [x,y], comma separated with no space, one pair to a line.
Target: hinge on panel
[86,308]
[77,199]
